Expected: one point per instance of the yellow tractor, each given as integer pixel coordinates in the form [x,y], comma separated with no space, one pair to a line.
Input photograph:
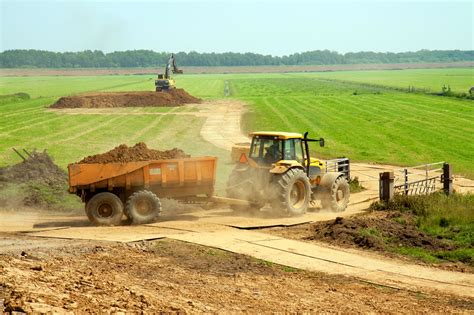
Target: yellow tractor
[277,169]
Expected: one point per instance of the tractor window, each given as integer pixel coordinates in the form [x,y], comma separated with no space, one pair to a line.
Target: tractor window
[266,150]
[293,150]
[299,150]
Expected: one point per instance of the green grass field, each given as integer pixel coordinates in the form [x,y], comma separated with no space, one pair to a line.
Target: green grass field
[375,124]
[460,80]
[68,138]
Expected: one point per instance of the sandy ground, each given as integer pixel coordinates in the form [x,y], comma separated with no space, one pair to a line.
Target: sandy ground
[47,275]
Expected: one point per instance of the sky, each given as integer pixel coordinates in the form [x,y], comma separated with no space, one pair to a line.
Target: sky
[262,26]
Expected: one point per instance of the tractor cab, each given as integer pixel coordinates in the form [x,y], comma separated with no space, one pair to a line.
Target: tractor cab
[268,148]
[282,150]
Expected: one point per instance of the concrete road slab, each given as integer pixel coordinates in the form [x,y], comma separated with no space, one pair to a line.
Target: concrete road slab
[112,233]
[319,258]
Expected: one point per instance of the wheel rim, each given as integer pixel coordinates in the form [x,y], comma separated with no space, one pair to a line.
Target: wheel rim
[297,194]
[144,206]
[340,195]
[105,210]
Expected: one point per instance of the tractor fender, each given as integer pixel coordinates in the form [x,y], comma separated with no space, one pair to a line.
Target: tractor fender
[283,166]
[328,179]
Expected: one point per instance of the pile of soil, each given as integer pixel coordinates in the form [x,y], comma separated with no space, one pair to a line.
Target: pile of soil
[174,97]
[378,231]
[38,167]
[139,152]
[38,183]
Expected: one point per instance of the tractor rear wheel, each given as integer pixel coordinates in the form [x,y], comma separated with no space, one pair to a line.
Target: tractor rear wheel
[143,207]
[337,195]
[105,208]
[292,193]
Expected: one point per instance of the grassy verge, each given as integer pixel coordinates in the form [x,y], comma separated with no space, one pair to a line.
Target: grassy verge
[38,195]
[449,219]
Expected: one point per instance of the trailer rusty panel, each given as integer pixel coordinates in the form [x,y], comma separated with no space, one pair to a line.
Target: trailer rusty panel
[188,172]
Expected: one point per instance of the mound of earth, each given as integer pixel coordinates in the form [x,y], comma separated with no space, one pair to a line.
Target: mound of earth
[378,231]
[38,167]
[38,183]
[174,97]
[139,152]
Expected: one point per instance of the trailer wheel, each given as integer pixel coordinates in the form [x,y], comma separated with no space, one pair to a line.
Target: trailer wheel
[105,209]
[143,207]
[337,195]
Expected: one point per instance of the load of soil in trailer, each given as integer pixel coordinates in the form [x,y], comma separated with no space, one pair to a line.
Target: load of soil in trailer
[174,97]
[139,152]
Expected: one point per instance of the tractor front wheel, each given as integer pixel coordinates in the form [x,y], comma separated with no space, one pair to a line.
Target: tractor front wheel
[337,194]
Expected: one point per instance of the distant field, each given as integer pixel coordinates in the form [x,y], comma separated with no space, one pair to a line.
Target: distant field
[460,80]
[235,69]
[377,124]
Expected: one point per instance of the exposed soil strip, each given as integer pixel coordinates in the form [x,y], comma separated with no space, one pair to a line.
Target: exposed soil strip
[173,97]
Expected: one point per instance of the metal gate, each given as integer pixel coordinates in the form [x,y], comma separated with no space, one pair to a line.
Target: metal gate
[418,180]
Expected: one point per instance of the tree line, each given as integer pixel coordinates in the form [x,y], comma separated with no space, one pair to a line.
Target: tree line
[21,58]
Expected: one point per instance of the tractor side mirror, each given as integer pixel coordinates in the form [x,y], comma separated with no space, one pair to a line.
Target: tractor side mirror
[321,142]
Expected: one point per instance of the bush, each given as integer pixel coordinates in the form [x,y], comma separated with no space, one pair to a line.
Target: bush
[355,186]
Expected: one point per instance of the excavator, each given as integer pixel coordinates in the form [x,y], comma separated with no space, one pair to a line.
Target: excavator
[164,81]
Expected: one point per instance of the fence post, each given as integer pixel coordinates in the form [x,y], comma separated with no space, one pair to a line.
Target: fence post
[386,180]
[447,179]
[426,179]
[406,182]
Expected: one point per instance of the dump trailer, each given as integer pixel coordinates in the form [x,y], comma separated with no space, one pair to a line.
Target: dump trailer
[134,189]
